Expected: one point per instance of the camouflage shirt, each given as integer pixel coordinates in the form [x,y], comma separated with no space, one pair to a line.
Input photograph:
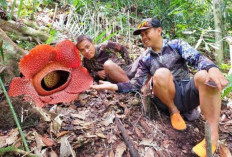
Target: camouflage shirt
[111,50]
[174,55]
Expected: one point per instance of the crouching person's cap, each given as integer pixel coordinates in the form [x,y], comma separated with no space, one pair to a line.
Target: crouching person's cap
[147,23]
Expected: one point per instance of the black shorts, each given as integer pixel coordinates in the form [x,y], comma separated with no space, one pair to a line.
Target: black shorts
[186,97]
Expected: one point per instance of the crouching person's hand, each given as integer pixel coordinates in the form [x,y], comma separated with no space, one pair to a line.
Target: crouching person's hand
[105,85]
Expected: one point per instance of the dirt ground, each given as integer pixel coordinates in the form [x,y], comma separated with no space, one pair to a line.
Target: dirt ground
[89,127]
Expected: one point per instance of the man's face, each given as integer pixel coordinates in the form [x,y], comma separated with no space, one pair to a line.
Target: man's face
[86,48]
[150,36]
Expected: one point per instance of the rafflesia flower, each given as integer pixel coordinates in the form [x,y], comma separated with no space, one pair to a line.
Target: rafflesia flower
[51,75]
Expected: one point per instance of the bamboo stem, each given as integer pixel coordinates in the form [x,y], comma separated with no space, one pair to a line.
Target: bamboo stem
[15,116]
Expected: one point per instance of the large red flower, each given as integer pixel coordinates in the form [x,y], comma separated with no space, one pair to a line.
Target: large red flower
[51,75]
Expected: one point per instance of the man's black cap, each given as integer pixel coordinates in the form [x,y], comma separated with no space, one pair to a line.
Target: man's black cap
[147,23]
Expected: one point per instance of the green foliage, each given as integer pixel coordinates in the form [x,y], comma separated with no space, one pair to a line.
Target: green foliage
[26,44]
[225,67]
[228,88]
[1,49]
[3,3]
[101,39]
[53,35]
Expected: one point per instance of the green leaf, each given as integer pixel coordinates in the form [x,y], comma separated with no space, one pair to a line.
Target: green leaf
[228,88]
[109,36]
[99,36]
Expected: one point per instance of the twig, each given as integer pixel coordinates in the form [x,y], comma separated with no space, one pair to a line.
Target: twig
[129,144]
[15,116]
[208,140]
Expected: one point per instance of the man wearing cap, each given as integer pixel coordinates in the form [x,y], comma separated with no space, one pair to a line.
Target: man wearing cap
[166,61]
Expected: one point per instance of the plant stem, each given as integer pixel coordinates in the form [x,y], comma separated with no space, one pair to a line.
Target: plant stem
[12,9]
[13,149]
[208,140]
[15,116]
[20,7]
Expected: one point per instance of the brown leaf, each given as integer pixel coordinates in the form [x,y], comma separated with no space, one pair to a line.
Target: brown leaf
[62,133]
[149,153]
[53,154]
[224,151]
[138,133]
[47,141]
[145,126]
[120,149]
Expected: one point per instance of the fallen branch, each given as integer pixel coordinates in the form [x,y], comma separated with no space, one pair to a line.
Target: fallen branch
[129,144]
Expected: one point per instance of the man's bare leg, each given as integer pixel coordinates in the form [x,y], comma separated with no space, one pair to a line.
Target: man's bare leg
[164,89]
[210,103]
[115,72]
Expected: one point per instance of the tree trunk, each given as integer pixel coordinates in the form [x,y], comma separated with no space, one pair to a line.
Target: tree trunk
[12,48]
[229,41]
[218,30]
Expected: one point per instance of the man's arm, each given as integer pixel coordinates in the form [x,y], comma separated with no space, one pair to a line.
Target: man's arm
[105,85]
[200,62]
[217,77]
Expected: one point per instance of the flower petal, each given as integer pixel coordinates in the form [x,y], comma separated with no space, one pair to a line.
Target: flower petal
[62,97]
[80,80]
[37,58]
[23,86]
[67,54]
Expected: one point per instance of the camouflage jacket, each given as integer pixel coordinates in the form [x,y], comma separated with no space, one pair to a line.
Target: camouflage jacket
[174,55]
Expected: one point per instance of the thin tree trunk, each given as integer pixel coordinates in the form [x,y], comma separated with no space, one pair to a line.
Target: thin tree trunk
[219,29]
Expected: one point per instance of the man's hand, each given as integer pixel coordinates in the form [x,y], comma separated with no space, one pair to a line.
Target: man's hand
[101,74]
[217,77]
[105,85]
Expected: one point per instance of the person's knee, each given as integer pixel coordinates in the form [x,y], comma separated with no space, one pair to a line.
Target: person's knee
[200,77]
[108,65]
[162,76]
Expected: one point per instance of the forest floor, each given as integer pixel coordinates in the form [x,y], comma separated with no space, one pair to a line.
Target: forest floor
[88,128]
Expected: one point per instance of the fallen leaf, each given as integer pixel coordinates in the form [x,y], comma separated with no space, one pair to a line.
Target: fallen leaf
[111,138]
[47,141]
[56,125]
[101,135]
[120,149]
[108,120]
[146,141]
[149,152]
[81,115]
[111,153]
[3,141]
[12,137]
[65,148]
[224,151]
[53,154]
[77,122]
[62,133]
